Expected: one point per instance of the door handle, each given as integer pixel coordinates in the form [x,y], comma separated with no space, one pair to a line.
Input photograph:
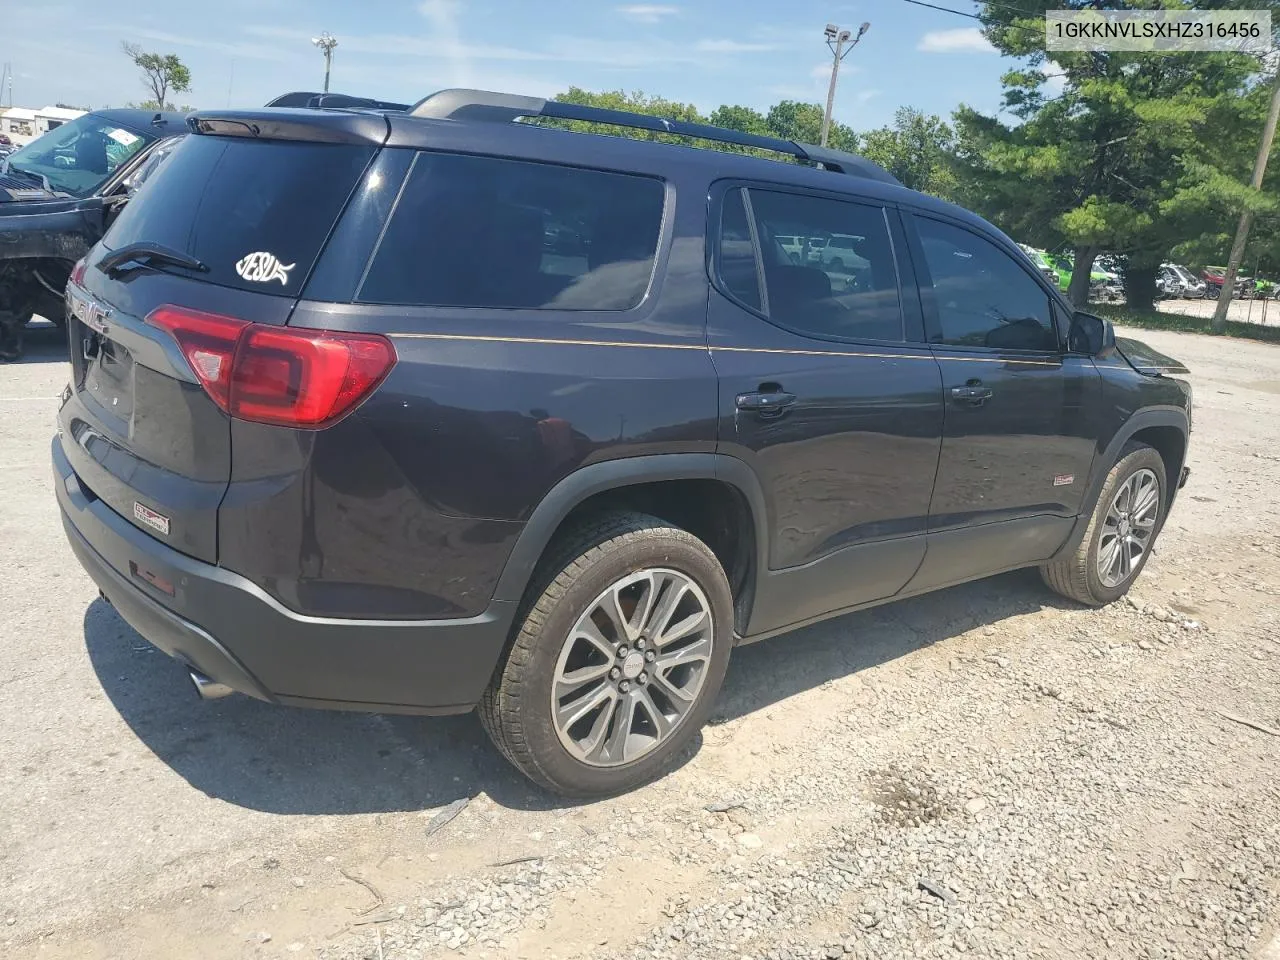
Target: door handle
[770,403]
[973,393]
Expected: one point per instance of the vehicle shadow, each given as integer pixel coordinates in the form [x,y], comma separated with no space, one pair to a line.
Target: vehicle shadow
[43,342]
[290,761]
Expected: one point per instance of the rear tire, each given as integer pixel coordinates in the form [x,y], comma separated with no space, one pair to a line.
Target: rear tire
[1117,530]
[572,647]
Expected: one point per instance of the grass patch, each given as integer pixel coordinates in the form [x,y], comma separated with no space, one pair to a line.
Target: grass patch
[1152,320]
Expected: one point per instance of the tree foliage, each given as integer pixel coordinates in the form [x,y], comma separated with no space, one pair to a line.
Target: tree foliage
[161,73]
[789,120]
[1138,151]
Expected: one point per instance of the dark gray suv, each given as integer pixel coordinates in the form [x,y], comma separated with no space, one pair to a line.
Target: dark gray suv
[419,410]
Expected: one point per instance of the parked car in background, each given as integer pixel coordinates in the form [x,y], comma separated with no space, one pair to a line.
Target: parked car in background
[1168,283]
[326,457]
[1213,277]
[58,194]
[1041,261]
[1193,288]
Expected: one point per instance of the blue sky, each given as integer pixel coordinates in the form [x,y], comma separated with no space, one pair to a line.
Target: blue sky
[749,51]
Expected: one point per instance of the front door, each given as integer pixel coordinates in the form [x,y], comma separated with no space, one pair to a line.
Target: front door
[1018,439]
[827,393]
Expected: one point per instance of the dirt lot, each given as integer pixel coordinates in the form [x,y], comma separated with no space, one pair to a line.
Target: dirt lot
[986,771]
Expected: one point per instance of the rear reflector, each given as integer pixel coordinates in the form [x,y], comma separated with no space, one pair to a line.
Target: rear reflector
[77,272]
[287,376]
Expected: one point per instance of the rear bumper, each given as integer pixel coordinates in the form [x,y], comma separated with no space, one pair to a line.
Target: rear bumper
[229,629]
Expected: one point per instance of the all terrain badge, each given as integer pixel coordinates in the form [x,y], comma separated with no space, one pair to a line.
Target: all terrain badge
[263,267]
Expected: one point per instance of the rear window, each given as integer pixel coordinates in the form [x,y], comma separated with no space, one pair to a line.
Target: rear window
[483,232]
[256,212]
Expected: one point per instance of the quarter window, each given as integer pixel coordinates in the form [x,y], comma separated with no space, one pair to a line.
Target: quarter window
[485,232]
[828,266]
[984,298]
[738,270]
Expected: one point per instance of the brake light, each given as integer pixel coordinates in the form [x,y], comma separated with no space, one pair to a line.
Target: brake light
[286,376]
[77,272]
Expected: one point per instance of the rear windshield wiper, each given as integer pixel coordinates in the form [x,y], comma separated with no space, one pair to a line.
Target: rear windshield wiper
[144,251]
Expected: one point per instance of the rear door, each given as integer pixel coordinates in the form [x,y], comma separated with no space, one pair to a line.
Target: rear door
[247,216]
[827,393]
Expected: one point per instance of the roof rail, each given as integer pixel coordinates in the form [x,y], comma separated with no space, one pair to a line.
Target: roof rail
[333,101]
[483,105]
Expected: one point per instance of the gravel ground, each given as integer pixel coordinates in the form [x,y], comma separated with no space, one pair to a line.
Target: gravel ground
[987,771]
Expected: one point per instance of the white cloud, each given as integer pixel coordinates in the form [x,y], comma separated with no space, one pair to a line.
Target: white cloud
[443,17]
[865,95]
[959,40]
[648,12]
[733,46]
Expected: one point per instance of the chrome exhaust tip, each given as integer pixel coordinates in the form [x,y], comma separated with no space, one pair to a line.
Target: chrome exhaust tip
[207,688]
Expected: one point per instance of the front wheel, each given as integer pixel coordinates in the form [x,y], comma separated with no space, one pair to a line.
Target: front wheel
[1123,529]
[618,658]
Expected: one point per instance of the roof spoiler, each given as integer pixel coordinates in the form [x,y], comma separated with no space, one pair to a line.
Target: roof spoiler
[333,101]
[483,105]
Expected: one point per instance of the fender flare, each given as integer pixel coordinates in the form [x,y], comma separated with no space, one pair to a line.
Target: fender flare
[588,481]
[1161,416]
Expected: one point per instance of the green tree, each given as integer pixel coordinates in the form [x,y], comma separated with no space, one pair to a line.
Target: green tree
[918,149]
[802,122]
[161,73]
[1138,151]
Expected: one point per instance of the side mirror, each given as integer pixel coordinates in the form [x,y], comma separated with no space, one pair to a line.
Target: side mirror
[1091,335]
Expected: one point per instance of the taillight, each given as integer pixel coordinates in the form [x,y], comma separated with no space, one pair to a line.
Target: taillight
[208,341]
[77,272]
[287,376]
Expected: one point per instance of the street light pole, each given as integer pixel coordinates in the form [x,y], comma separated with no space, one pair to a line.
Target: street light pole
[326,42]
[836,40]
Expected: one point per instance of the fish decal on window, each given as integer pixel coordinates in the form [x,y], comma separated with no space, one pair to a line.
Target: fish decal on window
[263,267]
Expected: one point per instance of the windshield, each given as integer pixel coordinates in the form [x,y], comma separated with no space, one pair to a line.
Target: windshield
[77,157]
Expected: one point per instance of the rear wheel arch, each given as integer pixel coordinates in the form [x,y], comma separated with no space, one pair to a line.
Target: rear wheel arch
[714,497]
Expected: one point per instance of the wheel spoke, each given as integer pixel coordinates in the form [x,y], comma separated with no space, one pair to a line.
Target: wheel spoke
[1146,501]
[659,719]
[661,616]
[613,610]
[615,746]
[1126,559]
[692,653]
[644,606]
[679,697]
[574,680]
[693,622]
[569,714]
[587,630]
[1108,556]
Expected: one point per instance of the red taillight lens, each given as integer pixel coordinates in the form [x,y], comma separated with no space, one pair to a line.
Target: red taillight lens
[208,341]
[278,375]
[305,378]
[77,272]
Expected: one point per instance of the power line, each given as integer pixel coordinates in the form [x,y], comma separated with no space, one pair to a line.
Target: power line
[981,19]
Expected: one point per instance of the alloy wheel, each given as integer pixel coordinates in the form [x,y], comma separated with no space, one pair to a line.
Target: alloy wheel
[632,667]
[1128,527]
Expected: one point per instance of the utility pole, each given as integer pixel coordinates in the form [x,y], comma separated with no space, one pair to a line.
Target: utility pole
[836,40]
[1246,218]
[326,42]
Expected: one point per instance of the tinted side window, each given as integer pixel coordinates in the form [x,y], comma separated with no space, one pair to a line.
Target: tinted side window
[984,298]
[483,232]
[737,253]
[844,291]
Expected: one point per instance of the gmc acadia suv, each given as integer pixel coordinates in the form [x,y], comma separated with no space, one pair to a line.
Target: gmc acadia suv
[351,425]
